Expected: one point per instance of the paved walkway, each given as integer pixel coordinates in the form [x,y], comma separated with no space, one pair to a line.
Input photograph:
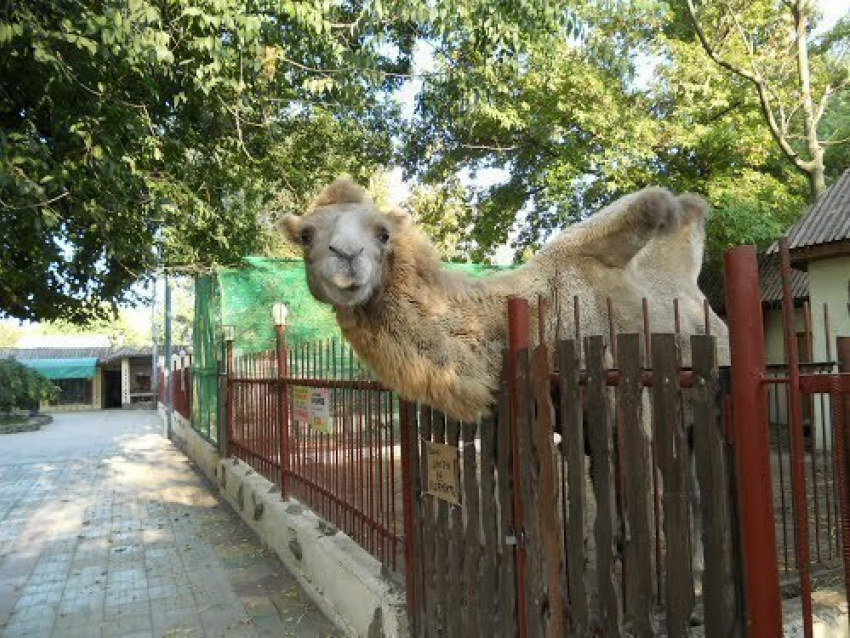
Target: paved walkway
[106,530]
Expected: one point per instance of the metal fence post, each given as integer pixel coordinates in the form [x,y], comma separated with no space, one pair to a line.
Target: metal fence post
[841,451]
[228,397]
[518,326]
[752,453]
[283,409]
[795,420]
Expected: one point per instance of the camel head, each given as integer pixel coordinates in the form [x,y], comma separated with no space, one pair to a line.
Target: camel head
[347,243]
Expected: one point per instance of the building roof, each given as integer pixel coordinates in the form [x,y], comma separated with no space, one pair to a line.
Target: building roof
[103,355]
[64,341]
[770,284]
[826,223]
[53,353]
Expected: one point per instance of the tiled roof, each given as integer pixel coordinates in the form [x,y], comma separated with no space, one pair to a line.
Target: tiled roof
[103,355]
[64,341]
[53,353]
[770,284]
[827,221]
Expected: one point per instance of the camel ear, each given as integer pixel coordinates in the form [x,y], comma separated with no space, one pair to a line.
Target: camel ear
[290,225]
[399,218]
[694,208]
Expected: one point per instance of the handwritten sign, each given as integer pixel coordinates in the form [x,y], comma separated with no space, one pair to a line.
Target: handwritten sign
[443,472]
[311,408]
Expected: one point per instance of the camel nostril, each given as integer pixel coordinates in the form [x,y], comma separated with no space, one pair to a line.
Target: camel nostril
[347,255]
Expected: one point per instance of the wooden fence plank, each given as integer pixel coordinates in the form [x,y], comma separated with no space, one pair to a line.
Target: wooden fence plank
[490,548]
[472,585]
[457,549]
[419,592]
[546,508]
[572,432]
[429,544]
[441,538]
[600,436]
[534,594]
[673,461]
[719,600]
[637,479]
[508,535]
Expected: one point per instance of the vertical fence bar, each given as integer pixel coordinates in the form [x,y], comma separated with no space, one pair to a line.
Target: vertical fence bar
[752,451]
[517,340]
[228,397]
[841,446]
[795,420]
[282,410]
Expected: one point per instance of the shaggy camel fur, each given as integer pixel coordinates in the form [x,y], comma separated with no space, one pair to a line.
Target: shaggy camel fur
[437,336]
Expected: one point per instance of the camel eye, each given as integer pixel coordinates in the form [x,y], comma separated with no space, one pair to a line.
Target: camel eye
[306,236]
[383,235]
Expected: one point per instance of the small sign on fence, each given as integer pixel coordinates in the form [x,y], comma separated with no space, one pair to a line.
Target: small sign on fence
[311,408]
[443,472]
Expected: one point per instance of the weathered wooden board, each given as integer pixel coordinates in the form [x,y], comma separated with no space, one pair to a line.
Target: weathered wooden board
[472,586]
[546,510]
[637,480]
[490,617]
[416,555]
[600,436]
[457,549]
[508,535]
[719,591]
[572,431]
[529,472]
[673,460]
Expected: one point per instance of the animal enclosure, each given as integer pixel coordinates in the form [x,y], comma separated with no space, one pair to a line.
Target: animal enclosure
[598,515]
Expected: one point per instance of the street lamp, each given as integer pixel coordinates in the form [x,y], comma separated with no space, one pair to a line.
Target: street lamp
[279,313]
[229,333]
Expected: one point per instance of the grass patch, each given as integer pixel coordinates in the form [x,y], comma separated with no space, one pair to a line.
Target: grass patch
[17,423]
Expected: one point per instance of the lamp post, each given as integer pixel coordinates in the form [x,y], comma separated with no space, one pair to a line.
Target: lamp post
[279,313]
[229,333]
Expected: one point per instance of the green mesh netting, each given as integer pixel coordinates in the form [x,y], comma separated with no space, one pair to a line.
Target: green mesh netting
[206,342]
[249,293]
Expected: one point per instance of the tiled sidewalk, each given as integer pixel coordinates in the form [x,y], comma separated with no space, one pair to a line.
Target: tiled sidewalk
[123,538]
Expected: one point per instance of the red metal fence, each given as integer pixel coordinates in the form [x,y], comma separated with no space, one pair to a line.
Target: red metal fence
[182,380]
[339,430]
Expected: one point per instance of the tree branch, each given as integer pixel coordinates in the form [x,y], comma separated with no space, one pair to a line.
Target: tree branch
[761,88]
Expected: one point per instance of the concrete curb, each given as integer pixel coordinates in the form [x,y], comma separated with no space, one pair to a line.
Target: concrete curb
[341,577]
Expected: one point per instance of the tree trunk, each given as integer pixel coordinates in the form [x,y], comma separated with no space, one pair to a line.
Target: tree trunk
[817,179]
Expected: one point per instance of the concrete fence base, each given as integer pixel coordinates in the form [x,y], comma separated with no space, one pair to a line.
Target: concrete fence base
[341,577]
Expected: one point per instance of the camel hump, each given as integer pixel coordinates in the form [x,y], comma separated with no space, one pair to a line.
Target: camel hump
[616,234]
[680,252]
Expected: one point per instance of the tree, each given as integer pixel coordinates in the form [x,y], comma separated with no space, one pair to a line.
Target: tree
[22,388]
[445,213]
[612,100]
[797,77]
[136,134]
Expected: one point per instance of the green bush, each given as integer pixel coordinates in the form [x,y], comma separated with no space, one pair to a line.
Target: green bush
[22,388]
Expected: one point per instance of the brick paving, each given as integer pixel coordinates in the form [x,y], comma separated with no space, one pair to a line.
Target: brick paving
[106,530]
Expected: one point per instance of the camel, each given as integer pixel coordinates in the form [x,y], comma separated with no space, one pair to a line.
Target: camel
[437,336]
